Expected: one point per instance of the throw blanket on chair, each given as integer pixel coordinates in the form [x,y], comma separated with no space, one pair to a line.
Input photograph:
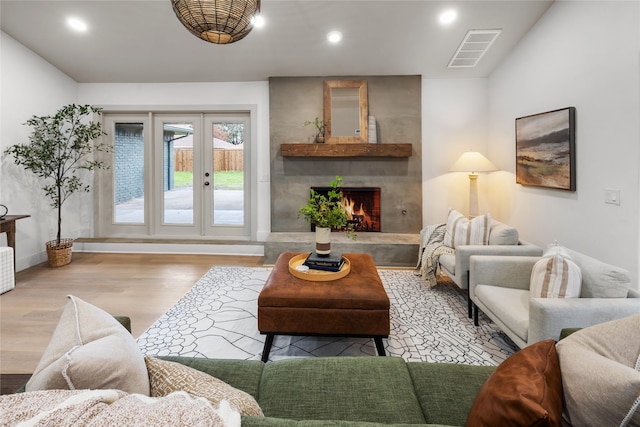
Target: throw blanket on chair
[431,247]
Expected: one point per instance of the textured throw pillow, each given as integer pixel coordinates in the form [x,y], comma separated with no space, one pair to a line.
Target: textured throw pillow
[462,231]
[601,374]
[525,390]
[167,377]
[555,276]
[90,349]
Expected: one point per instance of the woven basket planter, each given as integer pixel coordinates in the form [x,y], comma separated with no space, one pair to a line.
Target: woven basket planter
[59,254]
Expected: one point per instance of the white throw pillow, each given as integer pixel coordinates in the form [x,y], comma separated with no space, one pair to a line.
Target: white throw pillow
[555,276]
[90,349]
[462,231]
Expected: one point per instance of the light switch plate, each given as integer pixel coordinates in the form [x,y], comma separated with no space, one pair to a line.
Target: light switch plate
[612,196]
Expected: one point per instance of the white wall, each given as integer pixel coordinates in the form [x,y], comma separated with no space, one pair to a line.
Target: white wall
[213,95]
[454,116]
[582,54]
[31,86]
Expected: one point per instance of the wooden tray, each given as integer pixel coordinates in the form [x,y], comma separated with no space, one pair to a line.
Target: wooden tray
[317,275]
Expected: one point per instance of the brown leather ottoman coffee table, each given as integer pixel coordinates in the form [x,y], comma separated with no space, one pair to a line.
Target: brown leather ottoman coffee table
[356,305]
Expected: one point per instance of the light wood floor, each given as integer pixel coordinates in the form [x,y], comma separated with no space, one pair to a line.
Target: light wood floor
[141,286]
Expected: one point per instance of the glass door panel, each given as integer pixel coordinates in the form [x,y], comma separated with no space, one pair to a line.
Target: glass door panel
[128,173]
[226,196]
[228,173]
[177,173]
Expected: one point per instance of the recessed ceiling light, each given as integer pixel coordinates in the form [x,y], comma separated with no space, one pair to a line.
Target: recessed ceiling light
[77,24]
[334,36]
[448,16]
[258,21]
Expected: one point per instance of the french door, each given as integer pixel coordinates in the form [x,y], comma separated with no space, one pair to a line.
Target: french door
[177,175]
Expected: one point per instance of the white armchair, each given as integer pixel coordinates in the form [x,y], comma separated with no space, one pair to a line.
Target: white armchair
[503,240]
[499,286]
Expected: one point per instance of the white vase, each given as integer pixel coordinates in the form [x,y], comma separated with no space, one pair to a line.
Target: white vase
[323,241]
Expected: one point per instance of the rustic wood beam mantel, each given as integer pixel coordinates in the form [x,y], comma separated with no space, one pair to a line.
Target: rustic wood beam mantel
[345,150]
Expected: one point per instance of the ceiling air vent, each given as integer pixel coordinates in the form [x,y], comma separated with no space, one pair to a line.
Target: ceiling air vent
[473,47]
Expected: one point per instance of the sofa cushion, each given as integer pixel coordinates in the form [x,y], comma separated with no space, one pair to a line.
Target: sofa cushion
[525,390]
[375,389]
[462,231]
[447,405]
[90,349]
[166,377]
[502,234]
[509,305]
[599,279]
[555,276]
[601,373]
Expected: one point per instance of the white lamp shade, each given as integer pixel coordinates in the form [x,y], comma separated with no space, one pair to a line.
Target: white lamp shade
[472,161]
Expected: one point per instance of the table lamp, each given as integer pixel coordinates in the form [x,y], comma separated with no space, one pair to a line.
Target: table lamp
[473,162]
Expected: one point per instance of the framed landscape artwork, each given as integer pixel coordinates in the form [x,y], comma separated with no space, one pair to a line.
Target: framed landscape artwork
[545,149]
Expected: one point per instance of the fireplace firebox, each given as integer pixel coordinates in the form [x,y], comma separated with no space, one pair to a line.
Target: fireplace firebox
[362,205]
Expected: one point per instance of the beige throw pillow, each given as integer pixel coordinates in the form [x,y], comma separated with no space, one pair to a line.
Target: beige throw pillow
[462,231]
[555,276]
[601,374]
[167,377]
[90,349]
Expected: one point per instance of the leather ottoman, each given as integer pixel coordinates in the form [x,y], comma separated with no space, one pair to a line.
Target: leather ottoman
[356,305]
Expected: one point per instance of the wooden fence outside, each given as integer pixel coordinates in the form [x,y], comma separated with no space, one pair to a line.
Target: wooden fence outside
[223,160]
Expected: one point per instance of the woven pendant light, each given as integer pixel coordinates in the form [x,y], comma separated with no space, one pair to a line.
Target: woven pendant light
[217,21]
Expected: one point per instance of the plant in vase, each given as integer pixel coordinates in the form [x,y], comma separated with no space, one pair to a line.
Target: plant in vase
[58,150]
[326,212]
[320,126]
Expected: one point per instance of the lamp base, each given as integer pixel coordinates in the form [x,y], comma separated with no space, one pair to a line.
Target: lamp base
[473,195]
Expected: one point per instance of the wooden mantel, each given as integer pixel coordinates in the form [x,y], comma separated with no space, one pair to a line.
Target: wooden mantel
[345,150]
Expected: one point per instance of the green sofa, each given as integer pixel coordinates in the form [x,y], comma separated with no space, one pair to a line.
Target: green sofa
[348,391]
[599,380]
[351,391]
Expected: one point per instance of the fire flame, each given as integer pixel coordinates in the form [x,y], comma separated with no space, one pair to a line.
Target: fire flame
[359,218]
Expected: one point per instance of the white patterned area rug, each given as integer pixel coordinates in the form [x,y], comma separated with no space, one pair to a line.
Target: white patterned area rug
[217,319]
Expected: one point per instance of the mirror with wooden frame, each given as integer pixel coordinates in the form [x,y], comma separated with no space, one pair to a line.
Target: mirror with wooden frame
[345,111]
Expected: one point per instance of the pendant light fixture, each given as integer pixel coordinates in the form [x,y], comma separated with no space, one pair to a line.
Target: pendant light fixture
[217,21]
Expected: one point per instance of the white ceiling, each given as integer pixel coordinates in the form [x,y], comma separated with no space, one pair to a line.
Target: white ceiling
[142,40]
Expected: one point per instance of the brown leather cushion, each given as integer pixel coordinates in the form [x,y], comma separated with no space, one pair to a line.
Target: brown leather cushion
[360,289]
[525,390]
[354,305]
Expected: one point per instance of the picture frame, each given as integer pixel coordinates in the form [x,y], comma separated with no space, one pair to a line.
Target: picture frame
[545,149]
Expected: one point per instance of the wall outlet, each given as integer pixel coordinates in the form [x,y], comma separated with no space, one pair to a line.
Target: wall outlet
[612,196]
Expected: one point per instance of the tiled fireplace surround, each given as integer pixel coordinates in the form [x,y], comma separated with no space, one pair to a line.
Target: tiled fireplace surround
[395,101]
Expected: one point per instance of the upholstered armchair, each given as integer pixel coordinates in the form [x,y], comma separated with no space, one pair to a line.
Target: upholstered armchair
[503,240]
[500,286]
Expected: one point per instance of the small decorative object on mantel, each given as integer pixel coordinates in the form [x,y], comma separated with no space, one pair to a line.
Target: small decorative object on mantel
[320,127]
[326,212]
[59,151]
[373,131]
[3,211]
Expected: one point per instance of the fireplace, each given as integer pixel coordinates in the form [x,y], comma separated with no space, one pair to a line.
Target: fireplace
[362,205]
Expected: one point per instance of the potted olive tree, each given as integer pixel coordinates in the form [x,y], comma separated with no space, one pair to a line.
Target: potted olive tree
[59,148]
[326,212]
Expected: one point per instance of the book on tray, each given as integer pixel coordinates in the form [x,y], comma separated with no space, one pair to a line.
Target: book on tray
[333,262]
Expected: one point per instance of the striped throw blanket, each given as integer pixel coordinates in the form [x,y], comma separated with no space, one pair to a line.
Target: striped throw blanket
[431,247]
